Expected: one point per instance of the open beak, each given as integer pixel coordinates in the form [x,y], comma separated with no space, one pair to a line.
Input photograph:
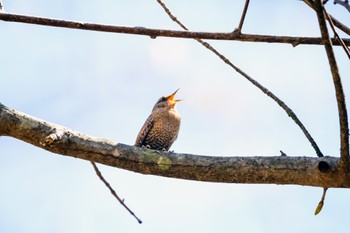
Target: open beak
[172,96]
[171,99]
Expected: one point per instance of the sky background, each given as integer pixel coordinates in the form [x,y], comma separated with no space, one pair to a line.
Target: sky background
[105,85]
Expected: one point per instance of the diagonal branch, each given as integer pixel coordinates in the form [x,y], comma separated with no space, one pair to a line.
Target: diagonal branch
[288,110]
[153,33]
[320,172]
[343,117]
[121,201]
[346,49]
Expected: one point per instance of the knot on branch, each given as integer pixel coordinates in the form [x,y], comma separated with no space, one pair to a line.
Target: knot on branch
[323,166]
[326,165]
[56,135]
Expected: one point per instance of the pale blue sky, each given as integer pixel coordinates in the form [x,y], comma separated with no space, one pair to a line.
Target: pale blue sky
[106,84]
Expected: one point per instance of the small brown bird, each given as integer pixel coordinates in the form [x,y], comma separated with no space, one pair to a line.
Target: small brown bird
[162,127]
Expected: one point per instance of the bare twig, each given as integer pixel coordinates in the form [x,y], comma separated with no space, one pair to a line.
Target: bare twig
[153,33]
[320,204]
[250,79]
[239,29]
[99,174]
[344,3]
[1,6]
[336,22]
[343,117]
[346,49]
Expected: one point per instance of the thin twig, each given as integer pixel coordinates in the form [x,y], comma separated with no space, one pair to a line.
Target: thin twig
[153,33]
[343,117]
[344,3]
[336,22]
[1,6]
[346,49]
[250,79]
[239,29]
[98,173]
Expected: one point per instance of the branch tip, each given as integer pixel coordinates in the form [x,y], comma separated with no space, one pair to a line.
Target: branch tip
[320,204]
[121,201]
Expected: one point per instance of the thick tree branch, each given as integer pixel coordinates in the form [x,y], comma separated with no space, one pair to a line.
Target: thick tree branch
[320,172]
[153,33]
[343,117]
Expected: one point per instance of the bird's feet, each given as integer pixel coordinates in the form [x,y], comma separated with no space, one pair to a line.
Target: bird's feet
[147,146]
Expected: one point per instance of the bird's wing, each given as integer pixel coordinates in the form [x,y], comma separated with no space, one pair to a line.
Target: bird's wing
[146,128]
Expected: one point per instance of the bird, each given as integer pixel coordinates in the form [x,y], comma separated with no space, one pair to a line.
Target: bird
[161,128]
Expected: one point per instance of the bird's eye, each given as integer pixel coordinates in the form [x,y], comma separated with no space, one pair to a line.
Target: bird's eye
[163,99]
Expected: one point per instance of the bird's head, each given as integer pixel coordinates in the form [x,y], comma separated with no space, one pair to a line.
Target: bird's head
[166,101]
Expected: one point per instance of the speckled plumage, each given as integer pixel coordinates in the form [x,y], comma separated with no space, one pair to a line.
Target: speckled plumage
[162,127]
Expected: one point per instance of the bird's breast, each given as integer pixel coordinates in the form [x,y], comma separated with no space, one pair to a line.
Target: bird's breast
[168,121]
[165,129]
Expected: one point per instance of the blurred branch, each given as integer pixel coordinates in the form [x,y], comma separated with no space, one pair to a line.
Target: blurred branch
[289,111]
[321,172]
[343,117]
[344,3]
[153,33]
[336,22]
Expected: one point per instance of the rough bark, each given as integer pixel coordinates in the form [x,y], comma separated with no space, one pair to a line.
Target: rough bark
[308,171]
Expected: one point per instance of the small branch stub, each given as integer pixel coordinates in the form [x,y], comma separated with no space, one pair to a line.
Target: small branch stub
[56,136]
